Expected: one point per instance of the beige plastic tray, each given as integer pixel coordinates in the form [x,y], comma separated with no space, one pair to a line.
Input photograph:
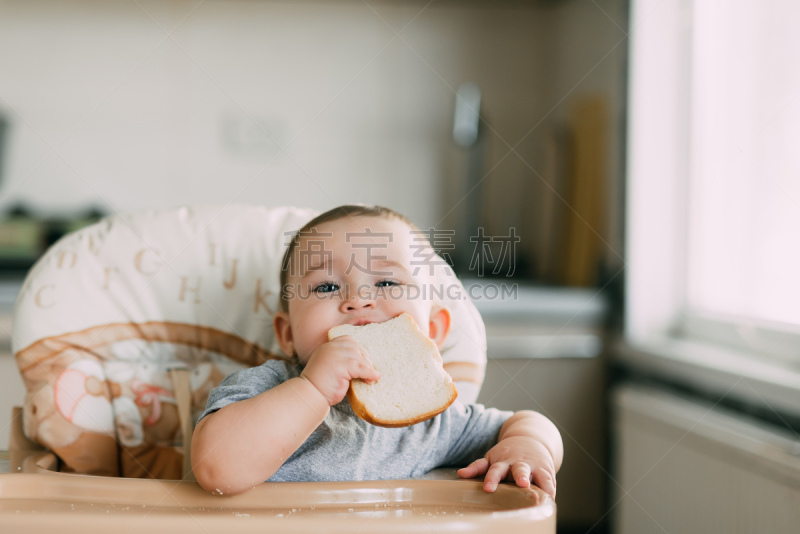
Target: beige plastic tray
[35,498]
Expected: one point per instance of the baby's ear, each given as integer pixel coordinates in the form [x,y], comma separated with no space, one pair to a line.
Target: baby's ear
[439,325]
[283,332]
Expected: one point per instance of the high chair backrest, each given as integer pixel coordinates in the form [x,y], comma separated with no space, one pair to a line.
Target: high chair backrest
[122,328]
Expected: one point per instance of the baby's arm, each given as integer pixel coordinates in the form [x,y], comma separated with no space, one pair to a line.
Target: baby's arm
[529,448]
[246,442]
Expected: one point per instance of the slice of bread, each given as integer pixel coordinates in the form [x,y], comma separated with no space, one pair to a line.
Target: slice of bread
[413,387]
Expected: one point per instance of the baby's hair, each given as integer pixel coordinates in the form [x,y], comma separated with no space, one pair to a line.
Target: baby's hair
[340,212]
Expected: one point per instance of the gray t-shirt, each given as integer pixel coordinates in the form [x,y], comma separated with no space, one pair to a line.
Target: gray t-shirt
[345,447]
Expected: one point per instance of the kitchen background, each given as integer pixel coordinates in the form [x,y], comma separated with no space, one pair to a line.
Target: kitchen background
[111,107]
[119,106]
[123,106]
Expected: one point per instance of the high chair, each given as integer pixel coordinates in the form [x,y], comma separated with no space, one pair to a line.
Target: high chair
[120,331]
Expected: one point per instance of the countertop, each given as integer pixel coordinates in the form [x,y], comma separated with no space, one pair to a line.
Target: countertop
[510,301]
[525,321]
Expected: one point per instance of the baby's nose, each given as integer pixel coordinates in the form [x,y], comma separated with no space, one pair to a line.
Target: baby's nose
[358,305]
[357,300]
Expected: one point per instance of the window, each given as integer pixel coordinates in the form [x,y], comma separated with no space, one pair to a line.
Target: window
[726,135]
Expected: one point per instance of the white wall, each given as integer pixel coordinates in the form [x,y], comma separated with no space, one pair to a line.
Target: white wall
[135,104]
[129,105]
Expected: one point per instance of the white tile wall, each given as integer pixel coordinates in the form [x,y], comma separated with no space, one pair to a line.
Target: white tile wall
[129,105]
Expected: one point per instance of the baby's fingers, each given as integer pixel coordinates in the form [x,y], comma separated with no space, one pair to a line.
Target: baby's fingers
[367,372]
[543,479]
[476,468]
[494,475]
[522,474]
[366,369]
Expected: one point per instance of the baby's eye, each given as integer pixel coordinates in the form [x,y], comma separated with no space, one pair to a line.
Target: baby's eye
[326,287]
[387,283]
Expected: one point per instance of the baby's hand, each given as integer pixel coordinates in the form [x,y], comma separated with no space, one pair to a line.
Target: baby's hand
[334,364]
[519,458]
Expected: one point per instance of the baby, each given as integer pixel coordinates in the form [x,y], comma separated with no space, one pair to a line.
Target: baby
[290,421]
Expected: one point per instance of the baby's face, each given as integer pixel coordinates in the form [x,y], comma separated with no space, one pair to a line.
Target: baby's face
[356,270]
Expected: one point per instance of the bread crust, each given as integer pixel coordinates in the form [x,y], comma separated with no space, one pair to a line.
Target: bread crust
[361,410]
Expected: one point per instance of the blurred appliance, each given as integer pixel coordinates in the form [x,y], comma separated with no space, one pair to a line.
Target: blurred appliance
[469,136]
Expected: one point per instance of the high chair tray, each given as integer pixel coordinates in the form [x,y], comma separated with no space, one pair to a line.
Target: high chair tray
[82,504]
